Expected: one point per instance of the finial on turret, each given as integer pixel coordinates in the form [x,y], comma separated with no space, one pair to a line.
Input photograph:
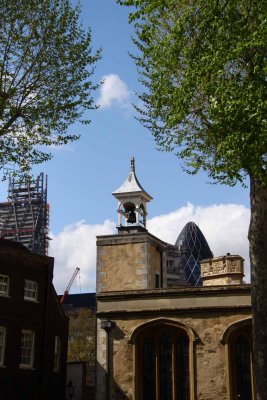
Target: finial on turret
[132,164]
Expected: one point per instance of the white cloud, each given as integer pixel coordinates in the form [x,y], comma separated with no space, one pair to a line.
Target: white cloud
[114,92]
[225,227]
[75,247]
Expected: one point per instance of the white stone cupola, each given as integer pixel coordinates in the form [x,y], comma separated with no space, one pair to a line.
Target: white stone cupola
[132,201]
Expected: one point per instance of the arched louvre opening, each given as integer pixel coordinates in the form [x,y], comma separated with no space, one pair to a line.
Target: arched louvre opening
[163,364]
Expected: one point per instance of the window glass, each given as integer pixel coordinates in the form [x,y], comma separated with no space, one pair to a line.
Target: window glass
[2,344]
[165,363]
[27,349]
[240,360]
[182,367]
[4,285]
[149,363]
[242,367]
[30,290]
[163,353]
[170,264]
[157,280]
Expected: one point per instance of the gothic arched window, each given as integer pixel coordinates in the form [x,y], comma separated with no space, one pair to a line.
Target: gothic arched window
[241,366]
[238,339]
[163,364]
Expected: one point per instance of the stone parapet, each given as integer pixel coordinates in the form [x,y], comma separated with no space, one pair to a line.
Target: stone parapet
[224,270]
[178,300]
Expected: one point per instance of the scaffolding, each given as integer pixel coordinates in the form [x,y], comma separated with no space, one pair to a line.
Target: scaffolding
[24,217]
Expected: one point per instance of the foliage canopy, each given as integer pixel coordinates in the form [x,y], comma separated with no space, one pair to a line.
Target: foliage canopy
[46,64]
[203,66]
[82,336]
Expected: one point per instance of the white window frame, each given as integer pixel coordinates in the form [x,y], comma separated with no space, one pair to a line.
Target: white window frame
[30,290]
[4,285]
[2,344]
[57,355]
[27,349]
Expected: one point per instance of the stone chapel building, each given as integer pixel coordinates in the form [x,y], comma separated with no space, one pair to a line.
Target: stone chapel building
[160,341]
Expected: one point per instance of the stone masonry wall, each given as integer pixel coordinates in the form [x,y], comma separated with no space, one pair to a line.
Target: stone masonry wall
[101,362]
[122,267]
[226,270]
[127,262]
[210,362]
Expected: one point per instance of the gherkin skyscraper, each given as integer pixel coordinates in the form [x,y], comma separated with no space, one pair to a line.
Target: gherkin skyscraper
[192,248]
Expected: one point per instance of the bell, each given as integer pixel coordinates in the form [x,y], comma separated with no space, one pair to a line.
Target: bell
[131,217]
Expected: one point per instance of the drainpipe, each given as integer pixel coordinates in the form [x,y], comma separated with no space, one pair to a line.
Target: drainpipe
[107,325]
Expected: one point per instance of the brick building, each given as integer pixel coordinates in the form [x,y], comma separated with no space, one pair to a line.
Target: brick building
[33,327]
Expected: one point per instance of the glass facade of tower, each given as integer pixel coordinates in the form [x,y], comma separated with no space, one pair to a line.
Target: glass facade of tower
[192,248]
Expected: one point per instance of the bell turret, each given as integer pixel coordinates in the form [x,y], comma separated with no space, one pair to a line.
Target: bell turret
[132,201]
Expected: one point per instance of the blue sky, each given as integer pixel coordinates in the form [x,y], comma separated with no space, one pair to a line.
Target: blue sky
[82,175]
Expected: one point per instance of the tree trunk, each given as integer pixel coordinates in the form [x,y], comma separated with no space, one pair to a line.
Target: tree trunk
[258,259]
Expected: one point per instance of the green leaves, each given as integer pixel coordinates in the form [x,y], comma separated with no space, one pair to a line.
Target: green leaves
[203,66]
[46,64]
[81,345]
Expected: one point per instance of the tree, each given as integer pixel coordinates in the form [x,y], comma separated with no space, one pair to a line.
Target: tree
[82,336]
[203,67]
[46,64]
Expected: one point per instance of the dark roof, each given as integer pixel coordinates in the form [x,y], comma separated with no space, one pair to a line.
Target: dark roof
[82,300]
[5,243]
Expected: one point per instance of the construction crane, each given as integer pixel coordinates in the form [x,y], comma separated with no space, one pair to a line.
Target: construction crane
[69,285]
